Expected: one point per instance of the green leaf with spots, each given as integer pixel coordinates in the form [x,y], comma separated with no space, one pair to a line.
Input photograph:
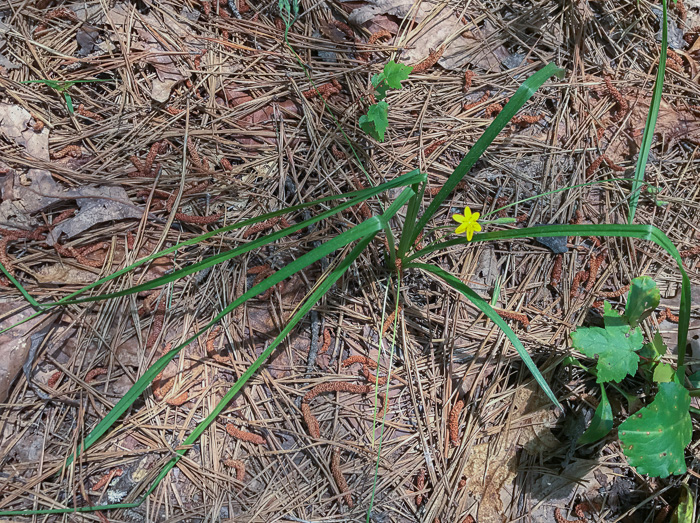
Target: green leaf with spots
[602,422]
[615,346]
[642,299]
[376,120]
[655,437]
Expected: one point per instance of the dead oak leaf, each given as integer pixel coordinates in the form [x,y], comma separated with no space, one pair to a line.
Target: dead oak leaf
[97,205]
[15,127]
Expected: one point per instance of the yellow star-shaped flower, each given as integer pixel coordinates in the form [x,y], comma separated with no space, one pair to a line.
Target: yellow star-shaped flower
[468,223]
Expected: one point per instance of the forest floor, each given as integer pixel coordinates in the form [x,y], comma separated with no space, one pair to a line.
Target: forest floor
[189,116]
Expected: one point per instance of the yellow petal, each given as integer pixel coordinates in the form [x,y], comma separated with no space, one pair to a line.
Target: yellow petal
[458,218]
[475,216]
[461,228]
[477,226]
[467,212]
[470,234]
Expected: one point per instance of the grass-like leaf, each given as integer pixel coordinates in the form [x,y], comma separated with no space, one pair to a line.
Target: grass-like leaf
[405,180]
[484,307]
[318,293]
[363,230]
[642,232]
[602,422]
[522,95]
[652,116]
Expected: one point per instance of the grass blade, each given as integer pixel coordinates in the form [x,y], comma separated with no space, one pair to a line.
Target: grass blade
[653,115]
[364,229]
[484,307]
[522,95]
[356,197]
[317,294]
[641,232]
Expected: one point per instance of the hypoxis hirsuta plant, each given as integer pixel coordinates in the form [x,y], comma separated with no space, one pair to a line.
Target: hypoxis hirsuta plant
[653,438]
[402,255]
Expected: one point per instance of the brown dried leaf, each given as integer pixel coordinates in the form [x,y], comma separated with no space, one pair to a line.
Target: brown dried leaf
[472,47]
[673,124]
[15,127]
[97,205]
[15,343]
[489,471]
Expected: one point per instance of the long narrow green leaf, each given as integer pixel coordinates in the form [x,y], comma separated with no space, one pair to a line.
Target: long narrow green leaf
[318,293]
[652,116]
[116,506]
[522,95]
[367,227]
[642,232]
[484,307]
[35,304]
[364,229]
[358,196]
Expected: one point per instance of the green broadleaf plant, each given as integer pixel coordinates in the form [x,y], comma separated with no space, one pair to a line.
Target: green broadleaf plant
[376,120]
[616,346]
[653,438]
[360,235]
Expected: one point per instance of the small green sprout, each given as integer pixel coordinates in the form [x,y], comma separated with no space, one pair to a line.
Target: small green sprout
[63,86]
[376,120]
